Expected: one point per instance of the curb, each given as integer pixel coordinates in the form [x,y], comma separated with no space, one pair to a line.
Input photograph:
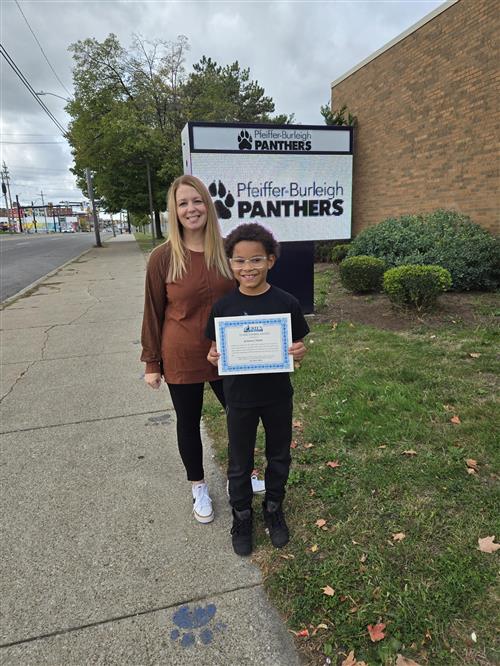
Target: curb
[11,299]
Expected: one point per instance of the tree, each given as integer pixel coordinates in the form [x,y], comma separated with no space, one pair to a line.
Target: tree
[333,117]
[130,106]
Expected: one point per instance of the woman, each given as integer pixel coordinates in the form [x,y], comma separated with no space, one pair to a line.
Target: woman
[185,276]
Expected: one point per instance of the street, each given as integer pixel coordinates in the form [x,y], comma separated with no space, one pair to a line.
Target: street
[25,258]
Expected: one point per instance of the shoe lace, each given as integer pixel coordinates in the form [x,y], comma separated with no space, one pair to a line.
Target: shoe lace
[241,526]
[277,519]
[202,498]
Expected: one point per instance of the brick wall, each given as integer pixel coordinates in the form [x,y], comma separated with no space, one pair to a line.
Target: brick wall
[428,120]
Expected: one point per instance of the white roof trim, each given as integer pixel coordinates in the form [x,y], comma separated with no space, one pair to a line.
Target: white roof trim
[399,38]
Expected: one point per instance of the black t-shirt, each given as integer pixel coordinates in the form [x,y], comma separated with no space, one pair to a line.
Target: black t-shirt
[254,390]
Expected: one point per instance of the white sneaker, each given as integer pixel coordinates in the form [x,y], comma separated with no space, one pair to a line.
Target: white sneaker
[258,486]
[202,504]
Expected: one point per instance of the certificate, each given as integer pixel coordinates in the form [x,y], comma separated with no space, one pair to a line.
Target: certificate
[254,344]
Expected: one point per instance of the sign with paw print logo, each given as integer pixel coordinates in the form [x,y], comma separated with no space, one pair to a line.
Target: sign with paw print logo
[295,179]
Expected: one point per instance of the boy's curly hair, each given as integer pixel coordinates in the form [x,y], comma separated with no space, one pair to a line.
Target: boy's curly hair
[252,232]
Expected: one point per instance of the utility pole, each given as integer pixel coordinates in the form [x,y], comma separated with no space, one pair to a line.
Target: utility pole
[34,218]
[44,212]
[6,178]
[19,214]
[90,189]
[4,192]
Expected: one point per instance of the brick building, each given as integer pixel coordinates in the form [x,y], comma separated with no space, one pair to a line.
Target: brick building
[428,118]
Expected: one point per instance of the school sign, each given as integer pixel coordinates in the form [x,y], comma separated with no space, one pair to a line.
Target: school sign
[295,179]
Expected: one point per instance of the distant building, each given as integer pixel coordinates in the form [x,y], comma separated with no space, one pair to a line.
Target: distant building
[427,108]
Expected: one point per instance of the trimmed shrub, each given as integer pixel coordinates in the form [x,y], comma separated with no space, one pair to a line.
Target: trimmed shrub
[322,251]
[418,286]
[339,252]
[362,273]
[444,238]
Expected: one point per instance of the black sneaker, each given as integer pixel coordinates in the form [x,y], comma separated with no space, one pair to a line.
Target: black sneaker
[275,523]
[241,532]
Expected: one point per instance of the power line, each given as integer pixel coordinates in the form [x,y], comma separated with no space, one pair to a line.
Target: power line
[10,143]
[30,88]
[41,49]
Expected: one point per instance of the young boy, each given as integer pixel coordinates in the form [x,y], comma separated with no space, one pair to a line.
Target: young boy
[252,252]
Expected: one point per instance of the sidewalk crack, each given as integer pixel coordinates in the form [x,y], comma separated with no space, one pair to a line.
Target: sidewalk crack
[17,380]
[128,616]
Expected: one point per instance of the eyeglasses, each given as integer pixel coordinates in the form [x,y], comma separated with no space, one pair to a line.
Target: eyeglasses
[254,262]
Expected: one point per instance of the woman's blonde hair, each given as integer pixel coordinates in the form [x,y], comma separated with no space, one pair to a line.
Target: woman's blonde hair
[215,256]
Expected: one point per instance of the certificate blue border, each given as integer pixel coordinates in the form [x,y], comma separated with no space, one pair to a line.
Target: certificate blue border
[283,365]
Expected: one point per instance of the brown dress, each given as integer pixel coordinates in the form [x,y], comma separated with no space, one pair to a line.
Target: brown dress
[175,317]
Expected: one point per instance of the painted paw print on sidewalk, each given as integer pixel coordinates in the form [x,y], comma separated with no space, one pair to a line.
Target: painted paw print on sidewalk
[224,202]
[192,625]
[244,140]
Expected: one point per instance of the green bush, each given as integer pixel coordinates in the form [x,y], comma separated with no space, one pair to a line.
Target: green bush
[322,251]
[339,252]
[418,286]
[362,273]
[444,238]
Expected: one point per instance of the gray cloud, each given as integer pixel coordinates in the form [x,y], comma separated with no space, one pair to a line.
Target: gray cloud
[294,49]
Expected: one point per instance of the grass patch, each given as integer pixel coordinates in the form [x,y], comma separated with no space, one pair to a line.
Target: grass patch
[363,397]
[322,287]
[146,241]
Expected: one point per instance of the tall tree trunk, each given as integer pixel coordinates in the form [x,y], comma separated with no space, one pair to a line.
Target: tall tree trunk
[158,224]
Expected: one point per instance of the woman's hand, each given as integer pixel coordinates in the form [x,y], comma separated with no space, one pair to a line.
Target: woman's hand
[213,355]
[298,351]
[153,379]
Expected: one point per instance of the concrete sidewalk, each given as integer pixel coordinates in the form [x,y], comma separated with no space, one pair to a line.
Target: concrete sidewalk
[102,561]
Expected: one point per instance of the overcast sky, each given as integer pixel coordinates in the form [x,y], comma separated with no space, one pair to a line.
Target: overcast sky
[295,49]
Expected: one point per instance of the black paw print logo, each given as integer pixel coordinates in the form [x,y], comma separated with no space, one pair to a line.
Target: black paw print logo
[224,202]
[195,625]
[244,140]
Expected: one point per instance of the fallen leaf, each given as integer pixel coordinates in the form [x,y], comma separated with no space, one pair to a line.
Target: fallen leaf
[398,536]
[320,626]
[287,556]
[333,464]
[311,342]
[474,636]
[404,661]
[470,470]
[334,325]
[314,548]
[313,395]
[351,660]
[431,337]
[356,543]
[293,444]
[428,635]
[383,446]
[376,632]
[470,462]
[363,558]
[308,445]
[486,544]
[474,355]
[320,522]
[298,425]
[329,591]
[354,609]
[312,492]
[302,632]
[455,420]
[448,408]
[409,452]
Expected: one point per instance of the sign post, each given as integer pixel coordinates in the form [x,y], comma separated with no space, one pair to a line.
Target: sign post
[294,179]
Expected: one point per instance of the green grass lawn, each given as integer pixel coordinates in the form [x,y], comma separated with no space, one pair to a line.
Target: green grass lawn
[146,242]
[380,405]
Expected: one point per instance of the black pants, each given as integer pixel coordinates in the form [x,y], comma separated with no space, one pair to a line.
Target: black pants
[242,425]
[188,402]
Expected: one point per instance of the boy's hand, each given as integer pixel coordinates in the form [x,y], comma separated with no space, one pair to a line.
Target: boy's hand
[153,379]
[298,351]
[213,355]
